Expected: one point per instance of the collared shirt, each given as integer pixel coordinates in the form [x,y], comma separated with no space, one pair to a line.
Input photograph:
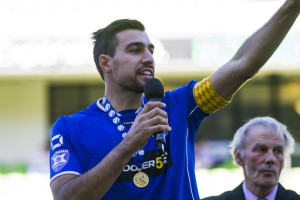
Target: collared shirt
[250,196]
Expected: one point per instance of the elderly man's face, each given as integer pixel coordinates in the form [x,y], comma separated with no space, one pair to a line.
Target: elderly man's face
[263,159]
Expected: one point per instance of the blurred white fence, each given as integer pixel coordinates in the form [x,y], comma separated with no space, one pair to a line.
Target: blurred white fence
[35,186]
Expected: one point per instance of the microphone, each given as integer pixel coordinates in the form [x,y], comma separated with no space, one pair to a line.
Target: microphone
[154,91]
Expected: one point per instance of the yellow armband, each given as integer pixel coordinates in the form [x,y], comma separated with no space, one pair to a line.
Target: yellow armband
[207,98]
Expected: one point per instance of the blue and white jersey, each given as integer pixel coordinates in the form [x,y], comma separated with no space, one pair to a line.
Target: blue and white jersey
[80,141]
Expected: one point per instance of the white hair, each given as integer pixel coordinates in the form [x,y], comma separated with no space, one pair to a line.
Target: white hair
[270,123]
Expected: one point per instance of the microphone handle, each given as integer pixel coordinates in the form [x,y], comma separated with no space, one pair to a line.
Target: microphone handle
[159,138]
[160,142]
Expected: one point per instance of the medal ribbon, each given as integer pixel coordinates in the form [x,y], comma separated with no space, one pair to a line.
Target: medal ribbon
[138,156]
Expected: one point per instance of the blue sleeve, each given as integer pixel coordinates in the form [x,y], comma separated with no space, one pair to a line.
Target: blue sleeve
[63,159]
[183,98]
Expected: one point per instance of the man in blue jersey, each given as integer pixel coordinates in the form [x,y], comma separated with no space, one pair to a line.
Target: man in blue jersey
[107,151]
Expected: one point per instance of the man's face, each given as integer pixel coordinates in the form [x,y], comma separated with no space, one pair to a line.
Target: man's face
[133,63]
[264,157]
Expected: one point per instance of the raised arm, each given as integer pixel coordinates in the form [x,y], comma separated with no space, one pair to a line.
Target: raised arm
[256,51]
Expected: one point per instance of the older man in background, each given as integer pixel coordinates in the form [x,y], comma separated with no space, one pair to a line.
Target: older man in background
[260,147]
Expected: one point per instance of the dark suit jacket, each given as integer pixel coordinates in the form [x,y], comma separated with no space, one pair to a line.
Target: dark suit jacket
[238,194]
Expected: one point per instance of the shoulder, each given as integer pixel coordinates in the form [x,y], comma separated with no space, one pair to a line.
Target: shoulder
[237,193]
[224,196]
[181,97]
[284,194]
[67,123]
[92,110]
[211,198]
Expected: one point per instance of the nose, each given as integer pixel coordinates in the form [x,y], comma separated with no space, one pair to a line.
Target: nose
[148,57]
[270,157]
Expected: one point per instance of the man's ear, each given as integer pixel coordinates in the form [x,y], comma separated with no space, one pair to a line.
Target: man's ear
[104,62]
[238,158]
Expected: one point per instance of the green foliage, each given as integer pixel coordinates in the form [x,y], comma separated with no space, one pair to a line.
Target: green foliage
[229,164]
[17,168]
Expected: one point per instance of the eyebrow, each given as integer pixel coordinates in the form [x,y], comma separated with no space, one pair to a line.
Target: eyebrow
[139,44]
[261,144]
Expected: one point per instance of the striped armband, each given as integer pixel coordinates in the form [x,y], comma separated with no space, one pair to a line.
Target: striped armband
[207,98]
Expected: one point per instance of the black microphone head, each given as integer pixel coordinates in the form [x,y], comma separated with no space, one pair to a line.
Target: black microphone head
[154,89]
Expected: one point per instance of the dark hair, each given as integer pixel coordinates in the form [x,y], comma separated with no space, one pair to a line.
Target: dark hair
[105,40]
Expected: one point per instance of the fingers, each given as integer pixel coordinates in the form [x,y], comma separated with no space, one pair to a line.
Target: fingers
[152,119]
[151,105]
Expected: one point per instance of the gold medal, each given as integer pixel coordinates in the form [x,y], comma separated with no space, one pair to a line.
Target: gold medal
[141,179]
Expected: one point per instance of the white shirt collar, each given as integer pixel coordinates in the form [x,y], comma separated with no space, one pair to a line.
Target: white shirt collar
[250,196]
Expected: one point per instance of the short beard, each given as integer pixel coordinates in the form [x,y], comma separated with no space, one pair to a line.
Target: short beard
[135,87]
